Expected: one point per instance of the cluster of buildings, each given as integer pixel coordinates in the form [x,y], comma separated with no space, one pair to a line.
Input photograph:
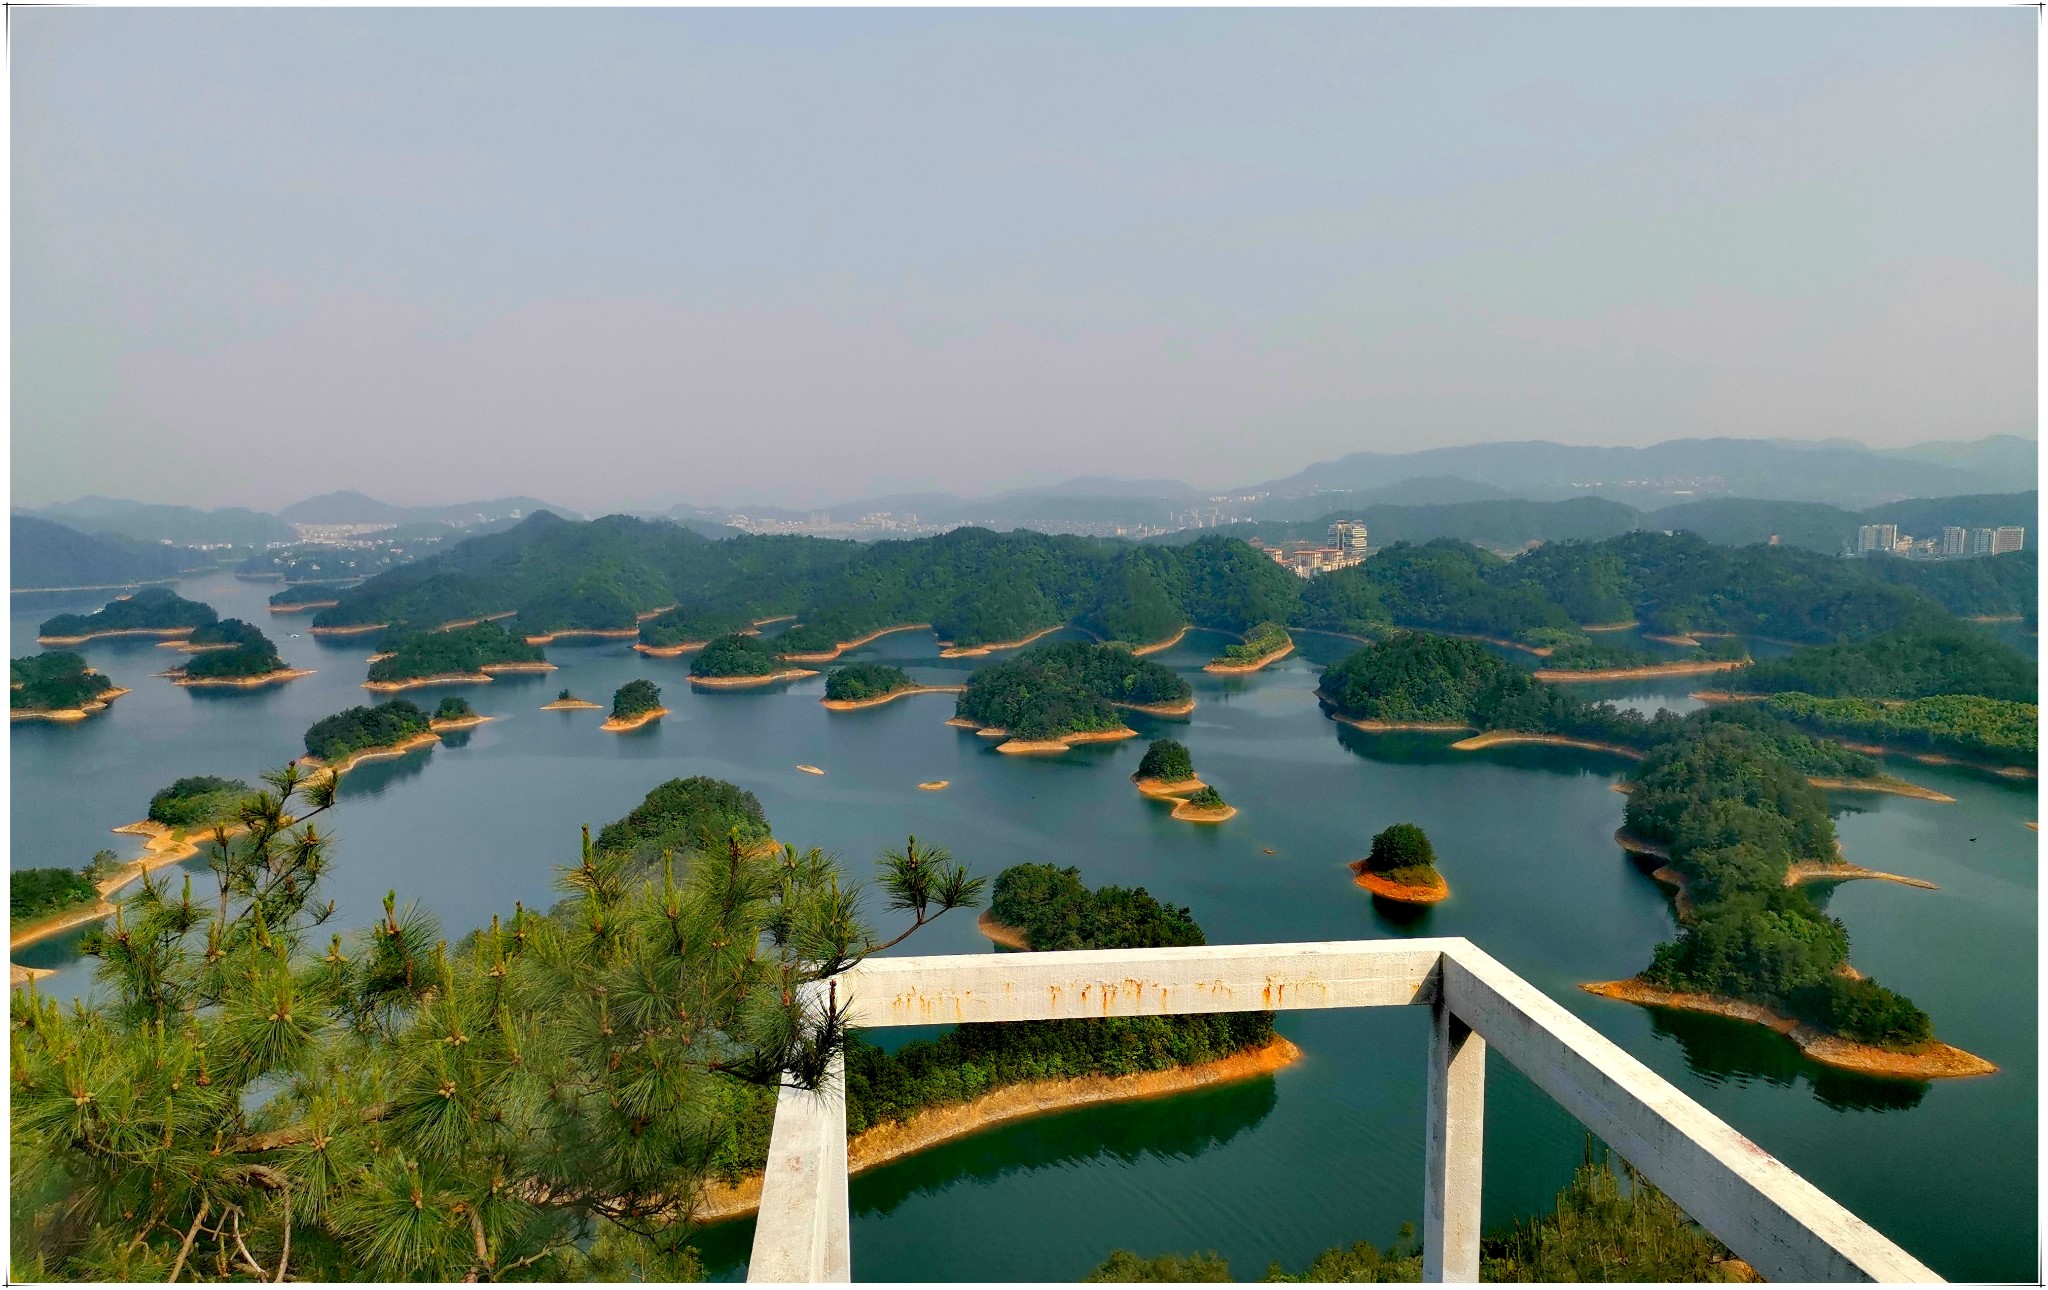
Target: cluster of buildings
[1349,544]
[1954,541]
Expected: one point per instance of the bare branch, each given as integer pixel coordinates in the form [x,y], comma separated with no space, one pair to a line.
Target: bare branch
[191,1235]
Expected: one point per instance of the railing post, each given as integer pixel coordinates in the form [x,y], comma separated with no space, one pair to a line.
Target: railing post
[802,1232]
[1455,1113]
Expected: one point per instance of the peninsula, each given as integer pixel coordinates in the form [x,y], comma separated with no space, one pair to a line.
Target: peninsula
[57,687]
[868,685]
[840,647]
[1264,644]
[734,661]
[152,611]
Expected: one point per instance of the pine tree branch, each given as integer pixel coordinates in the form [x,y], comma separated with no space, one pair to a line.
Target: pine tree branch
[285,1256]
[191,1235]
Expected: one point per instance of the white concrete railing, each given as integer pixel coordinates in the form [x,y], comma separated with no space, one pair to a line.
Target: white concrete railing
[1768,1215]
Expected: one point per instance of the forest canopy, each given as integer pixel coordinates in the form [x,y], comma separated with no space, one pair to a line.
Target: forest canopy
[198,800]
[248,652]
[1915,662]
[1066,688]
[857,682]
[457,651]
[332,739]
[152,608]
[53,682]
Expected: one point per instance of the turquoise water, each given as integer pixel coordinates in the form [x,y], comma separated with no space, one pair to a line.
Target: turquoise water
[1326,1152]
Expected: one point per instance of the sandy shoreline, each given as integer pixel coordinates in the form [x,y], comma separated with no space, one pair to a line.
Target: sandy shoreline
[1897,787]
[1934,1060]
[64,716]
[382,752]
[165,846]
[586,633]
[438,726]
[243,682]
[568,705]
[1064,742]
[1180,709]
[850,705]
[1406,893]
[826,656]
[422,682]
[1001,933]
[740,682]
[1168,788]
[1385,727]
[1634,673]
[1188,811]
[353,629]
[173,632]
[1140,651]
[1238,669]
[933,1126]
[619,725]
[1500,738]
[1609,627]
[934,785]
[303,606]
[980,651]
[1800,871]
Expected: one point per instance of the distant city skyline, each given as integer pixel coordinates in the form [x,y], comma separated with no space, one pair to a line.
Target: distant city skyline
[804,257]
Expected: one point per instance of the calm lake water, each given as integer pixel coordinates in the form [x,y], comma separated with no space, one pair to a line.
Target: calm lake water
[1326,1152]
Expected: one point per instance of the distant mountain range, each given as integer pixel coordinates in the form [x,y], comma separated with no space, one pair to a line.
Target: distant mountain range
[47,555]
[192,526]
[350,507]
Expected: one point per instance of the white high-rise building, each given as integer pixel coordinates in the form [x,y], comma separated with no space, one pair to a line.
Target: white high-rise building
[1955,540]
[1349,535]
[1877,537]
[2008,537]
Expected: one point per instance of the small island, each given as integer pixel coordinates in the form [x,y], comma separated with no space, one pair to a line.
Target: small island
[340,743]
[57,687]
[153,611]
[1402,867]
[634,704]
[1203,806]
[868,685]
[455,713]
[567,702]
[305,598]
[1166,770]
[682,631]
[238,655]
[736,660]
[1054,696]
[462,656]
[1263,644]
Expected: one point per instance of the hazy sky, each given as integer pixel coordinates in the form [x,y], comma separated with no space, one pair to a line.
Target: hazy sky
[611,257]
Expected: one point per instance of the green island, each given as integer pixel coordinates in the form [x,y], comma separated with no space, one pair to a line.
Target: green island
[1262,644]
[1204,806]
[1053,693]
[37,894]
[1167,767]
[634,704]
[735,656]
[152,611]
[464,653]
[685,816]
[861,684]
[389,726]
[197,801]
[1998,731]
[1916,662]
[57,682]
[1724,795]
[1607,1224]
[305,596]
[1402,867]
[238,654]
[456,710]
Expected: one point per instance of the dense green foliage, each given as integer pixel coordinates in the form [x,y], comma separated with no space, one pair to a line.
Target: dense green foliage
[53,682]
[687,815]
[197,800]
[456,651]
[249,652]
[247,1095]
[1992,586]
[1445,584]
[32,893]
[1206,798]
[1065,688]
[635,697]
[1166,759]
[1911,663]
[1403,853]
[691,627]
[1056,911]
[332,739]
[454,708]
[1953,724]
[1599,1231]
[1258,642]
[1590,655]
[48,555]
[153,608]
[736,655]
[305,593]
[858,681]
[1732,817]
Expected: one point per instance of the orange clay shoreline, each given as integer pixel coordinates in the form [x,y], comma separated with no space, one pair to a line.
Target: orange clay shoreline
[302,606]
[978,651]
[1498,738]
[1648,670]
[619,725]
[1799,871]
[826,656]
[1001,933]
[438,725]
[1183,809]
[1406,893]
[935,1125]
[1383,727]
[242,682]
[482,676]
[165,846]
[1168,788]
[1932,1060]
[567,705]
[1063,742]
[1140,651]
[64,716]
[1237,669]
[1179,709]
[585,633]
[850,705]
[353,629]
[739,682]
[108,635]
[681,647]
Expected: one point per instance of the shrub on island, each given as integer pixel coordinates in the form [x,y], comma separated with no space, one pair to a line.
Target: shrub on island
[1207,798]
[736,655]
[1066,688]
[458,651]
[566,697]
[53,682]
[151,609]
[1402,853]
[634,698]
[333,739]
[198,800]
[859,681]
[1258,642]
[249,653]
[698,815]
[454,708]
[31,893]
[1168,761]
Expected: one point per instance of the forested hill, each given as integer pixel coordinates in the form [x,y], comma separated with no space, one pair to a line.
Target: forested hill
[46,554]
[977,587]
